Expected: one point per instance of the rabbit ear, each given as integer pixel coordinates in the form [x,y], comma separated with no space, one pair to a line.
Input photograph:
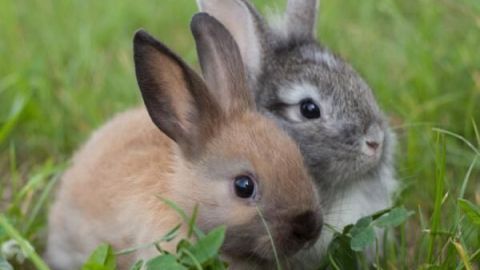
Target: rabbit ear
[176,98]
[301,18]
[244,24]
[221,64]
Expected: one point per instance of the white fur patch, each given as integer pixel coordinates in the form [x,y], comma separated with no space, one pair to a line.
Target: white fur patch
[295,93]
[360,199]
[326,58]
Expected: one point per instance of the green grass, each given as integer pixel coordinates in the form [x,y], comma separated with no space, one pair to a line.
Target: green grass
[66,67]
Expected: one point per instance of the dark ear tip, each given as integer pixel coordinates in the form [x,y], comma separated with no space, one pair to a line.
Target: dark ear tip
[142,36]
[199,18]
[203,20]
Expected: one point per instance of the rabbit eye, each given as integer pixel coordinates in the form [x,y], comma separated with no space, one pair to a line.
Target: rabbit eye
[309,109]
[244,186]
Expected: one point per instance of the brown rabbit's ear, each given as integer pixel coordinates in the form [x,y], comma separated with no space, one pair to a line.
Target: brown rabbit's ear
[176,98]
[244,23]
[221,64]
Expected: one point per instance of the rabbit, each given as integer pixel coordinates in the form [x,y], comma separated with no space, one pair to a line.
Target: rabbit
[324,105]
[197,142]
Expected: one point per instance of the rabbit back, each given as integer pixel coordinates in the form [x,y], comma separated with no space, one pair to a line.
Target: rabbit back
[110,187]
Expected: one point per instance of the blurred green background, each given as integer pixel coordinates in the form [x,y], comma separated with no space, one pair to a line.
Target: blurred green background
[66,67]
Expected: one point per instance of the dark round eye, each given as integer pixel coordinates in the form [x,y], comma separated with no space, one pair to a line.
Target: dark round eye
[309,109]
[244,186]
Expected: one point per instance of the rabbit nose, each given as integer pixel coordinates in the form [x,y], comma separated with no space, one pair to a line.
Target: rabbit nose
[306,227]
[373,140]
[372,144]
[372,148]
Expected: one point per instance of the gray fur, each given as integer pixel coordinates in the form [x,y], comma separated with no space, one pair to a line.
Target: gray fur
[350,184]
[330,152]
[301,17]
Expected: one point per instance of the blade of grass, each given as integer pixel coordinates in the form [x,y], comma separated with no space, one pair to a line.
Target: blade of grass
[40,203]
[194,260]
[331,228]
[24,244]
[421,239]
[35,181]
[275,254]
[14,175]
[191,223]
[14,115]
[469,144]
[182,214]
[477,134]
[421,218]
[457,226]
[167,237]
[467,178]
[440,157]
[333,263]
[475,256]
[463,255]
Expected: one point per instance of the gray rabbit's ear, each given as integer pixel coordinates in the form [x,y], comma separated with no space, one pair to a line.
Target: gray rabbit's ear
[244,24]
[301,18]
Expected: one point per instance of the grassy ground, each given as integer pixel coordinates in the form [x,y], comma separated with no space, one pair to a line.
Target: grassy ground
[66,67]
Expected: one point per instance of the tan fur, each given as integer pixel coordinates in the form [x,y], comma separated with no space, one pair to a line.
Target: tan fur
[110,194]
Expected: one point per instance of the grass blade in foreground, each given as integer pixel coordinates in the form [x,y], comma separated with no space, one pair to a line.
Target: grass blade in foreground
[463,255]
[471,211]
[440,156]
[24,244]
[277,261]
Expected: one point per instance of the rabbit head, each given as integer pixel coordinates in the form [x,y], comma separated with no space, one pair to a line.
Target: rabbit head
[318,98]
[234,160]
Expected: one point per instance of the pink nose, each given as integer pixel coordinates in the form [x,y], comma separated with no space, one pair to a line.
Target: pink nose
[373,144]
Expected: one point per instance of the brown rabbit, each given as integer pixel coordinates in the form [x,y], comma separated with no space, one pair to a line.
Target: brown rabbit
[207,145]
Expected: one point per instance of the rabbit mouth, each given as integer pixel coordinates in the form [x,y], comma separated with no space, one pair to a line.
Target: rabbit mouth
[248,244]
[249,248]
[337,169]
[371,159]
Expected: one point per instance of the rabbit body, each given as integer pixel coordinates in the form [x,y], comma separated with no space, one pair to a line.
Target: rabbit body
[110,192]
[196,143]
[325,106]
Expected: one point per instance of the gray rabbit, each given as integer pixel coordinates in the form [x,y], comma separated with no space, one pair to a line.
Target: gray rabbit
[322,102]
